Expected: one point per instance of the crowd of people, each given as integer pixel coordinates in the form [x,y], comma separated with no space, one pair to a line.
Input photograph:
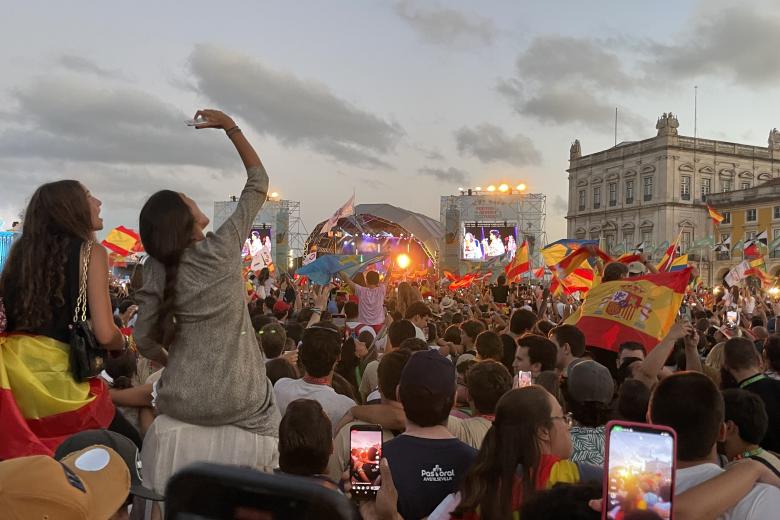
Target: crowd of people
[492,403]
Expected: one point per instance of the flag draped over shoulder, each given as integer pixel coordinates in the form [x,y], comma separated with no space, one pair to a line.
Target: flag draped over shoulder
[321,270]
[122,241]
[344,211]
[520,263]
[641,309]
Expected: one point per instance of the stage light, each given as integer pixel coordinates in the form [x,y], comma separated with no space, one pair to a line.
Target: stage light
[503,188]
[460,189]
[403,261]
[491,188]
[274,195]
[478,188]
[774,291]
[520,187]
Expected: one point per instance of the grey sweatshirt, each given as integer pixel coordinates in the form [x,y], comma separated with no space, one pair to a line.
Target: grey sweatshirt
[216,371]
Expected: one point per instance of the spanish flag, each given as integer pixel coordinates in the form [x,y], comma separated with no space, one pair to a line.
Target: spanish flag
[122,241]
[40,403]
[641,309]
[575,259]
[716,217]
[519,263]
[581,278]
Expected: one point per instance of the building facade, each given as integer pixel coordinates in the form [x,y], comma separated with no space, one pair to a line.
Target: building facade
[652,190]
[746,214]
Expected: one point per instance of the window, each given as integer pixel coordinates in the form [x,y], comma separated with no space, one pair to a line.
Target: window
[744,186]
[776,213]
[630,192]
[596,197]
[750,235]
[648,188]
[750,215]
[726,217]
[628,240]
[685,241]
[706,188]
[613,194]
[595,235]
[582,200]
[776,251]
[610,242]
[724,255]
[647,237]
[726,184]
[685,187]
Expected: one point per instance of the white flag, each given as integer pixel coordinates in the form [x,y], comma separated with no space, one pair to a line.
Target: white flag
[344,211]
[737,273]
[310,258]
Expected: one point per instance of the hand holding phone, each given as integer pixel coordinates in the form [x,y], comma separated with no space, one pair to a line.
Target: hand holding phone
[365,448]
[522,379]
[639,469]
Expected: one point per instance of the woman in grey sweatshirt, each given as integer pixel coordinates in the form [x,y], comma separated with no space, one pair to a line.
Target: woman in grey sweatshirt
[192,313]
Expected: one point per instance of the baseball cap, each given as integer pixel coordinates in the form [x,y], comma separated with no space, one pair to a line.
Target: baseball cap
[636,268]
[90,484]
[432,371]
[120,444]
[280,307]
[590,381]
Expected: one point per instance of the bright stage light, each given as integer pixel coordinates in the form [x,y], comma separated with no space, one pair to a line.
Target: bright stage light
[491,188]
[520,187]
[774,290]
[274,195]
[478,188]
[403,261]
[503,188]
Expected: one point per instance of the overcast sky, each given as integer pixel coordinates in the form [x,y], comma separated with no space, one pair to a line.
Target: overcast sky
[403,101]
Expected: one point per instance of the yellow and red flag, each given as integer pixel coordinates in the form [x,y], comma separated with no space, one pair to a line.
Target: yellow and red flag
[574,260]
[627,258]
[716,217]
[640,309]
[519,264]
[41,408]
[671,253]
[122,241]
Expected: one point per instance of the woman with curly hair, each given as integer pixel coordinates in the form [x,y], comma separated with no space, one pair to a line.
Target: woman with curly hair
[41,401]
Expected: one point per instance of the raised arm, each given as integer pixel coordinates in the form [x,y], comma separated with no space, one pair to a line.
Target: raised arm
[692,357]
[654,362]
[347,280]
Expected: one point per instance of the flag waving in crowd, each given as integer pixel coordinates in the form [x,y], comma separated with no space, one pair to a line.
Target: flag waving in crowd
[344,211]
[520,263]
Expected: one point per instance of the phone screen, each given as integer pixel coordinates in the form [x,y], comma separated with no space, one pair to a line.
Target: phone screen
[731,318]
[640,470]
[365,447]
[523,379]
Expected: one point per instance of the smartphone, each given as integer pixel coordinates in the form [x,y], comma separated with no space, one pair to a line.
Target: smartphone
[365,448]
[340,321]
[731,319]
[639,469]
[194,122]
[522,379]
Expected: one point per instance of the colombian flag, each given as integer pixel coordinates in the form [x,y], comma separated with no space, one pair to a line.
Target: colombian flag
[641,309]
[519,263]
[40,403]
[122,241]
[679,263]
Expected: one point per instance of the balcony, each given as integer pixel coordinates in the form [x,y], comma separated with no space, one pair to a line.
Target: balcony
[685,196]
[629,200]
[596,205]
[647,198]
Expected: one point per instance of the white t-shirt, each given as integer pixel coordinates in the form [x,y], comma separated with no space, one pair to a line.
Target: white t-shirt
[335,405]
[762,502]
[371,304]
[750,304]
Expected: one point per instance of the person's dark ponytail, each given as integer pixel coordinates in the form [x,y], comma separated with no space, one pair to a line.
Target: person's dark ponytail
[166,225]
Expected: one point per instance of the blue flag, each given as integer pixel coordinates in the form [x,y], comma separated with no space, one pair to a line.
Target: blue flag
[323,268]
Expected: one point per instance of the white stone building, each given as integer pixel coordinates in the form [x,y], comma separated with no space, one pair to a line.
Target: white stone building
[650,190]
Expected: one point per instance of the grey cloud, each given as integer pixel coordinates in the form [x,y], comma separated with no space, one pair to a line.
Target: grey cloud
[450,174]
[297,112]
[564,59]
[490,143]
[560,206]
[445,26]
[82,65]
[738,43]
[63,118]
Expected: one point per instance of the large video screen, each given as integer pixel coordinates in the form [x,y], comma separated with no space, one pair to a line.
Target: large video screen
[482,242]
[259,247]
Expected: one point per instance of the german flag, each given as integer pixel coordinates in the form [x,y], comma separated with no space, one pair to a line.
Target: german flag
[122,241]
[40,403]
[641,309]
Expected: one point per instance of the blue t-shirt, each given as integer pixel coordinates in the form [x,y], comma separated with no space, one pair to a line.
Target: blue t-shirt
[425,471]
